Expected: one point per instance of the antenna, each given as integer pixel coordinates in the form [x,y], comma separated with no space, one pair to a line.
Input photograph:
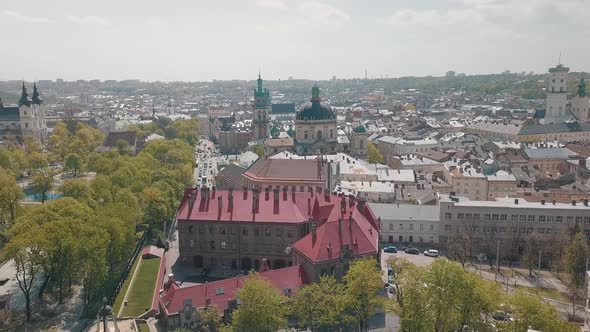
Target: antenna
[559,57]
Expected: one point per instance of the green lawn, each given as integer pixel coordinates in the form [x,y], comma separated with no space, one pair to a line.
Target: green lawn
[549,293]
[121,295]
[140,295]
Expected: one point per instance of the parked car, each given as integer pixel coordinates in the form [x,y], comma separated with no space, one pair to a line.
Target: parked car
[431,253]
[390,249]
[412,251]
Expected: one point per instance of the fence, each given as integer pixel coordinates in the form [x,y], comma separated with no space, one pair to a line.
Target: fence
[125,273]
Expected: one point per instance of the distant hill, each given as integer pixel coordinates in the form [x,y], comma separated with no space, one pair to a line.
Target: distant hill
[8,98]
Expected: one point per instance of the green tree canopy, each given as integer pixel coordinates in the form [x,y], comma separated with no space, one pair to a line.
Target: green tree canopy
[375,157]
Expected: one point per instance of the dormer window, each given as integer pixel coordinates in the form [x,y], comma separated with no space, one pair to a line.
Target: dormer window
[219,291]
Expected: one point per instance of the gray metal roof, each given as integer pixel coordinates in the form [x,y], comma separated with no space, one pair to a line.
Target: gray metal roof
[405,211]
[550,153]
[550,128]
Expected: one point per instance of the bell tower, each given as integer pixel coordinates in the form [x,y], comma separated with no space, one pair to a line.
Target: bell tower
[261,110]
[556,104]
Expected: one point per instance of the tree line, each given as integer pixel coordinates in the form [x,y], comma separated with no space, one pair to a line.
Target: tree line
[85,238]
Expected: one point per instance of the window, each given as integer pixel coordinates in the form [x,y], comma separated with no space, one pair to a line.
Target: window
[211,230]
[289,234]
[305,134]
[531,218]
[244,231]
[447,227]
[401,227]
[190,229]
[256,232]
[578,220]
[549,218]
[319,135]
[201,229]
[569,219]
[431,227]
[448,215]
[267,231]
[558,219]
[494,217]
[222,230]
[468,216]
[421,227]
[475,229]
[223,245]
[390,227]
[476,216]
[586,220]
[411,227]
[191,243]
[212,244]
[502,229]
[486,216]
[549,230]
[522,218]
[503,217]
[541,230]
[459,215]
[541,218]
[332,136]
[514,217]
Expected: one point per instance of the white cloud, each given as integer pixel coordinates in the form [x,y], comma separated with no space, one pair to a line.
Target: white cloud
[272,4]
[322,12]
[89,20]
[23,18]
[155,22]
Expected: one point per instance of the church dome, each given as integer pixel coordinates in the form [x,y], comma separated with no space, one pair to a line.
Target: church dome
[274,132]
[360,129]
[315,109]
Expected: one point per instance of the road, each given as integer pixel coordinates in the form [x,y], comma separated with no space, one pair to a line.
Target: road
[206,169]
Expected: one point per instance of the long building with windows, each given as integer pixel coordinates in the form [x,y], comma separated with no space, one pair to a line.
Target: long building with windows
[509,222]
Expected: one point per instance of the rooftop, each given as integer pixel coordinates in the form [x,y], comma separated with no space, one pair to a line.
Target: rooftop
[405,211]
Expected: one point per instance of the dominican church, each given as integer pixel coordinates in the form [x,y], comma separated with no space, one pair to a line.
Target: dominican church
[314,131]
[27,120]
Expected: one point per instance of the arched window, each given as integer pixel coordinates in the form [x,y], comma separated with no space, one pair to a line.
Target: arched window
[319,134]
[331,133]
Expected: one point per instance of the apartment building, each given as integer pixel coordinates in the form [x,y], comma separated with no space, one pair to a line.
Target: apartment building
[509,220]
[408,223]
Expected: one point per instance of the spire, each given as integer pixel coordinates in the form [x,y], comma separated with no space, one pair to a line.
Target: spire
[315,93]
[260,90]
[24,97]
[582,88]
[36,98]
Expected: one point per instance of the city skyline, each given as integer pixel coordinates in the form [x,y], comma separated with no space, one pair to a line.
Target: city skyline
[309,40]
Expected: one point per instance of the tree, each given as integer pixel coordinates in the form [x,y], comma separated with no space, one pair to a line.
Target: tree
[461,248]
[375,157]
[73,162]
[25,253]
[574,261]
[261,309]
[530,312]
[122,146]
[42,182]
[10,196]
[320,305]
[363,282]
[258,149]
[530,257]
[78,189]
[210,319]
[37,160]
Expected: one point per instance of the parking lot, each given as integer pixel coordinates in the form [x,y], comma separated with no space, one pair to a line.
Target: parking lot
[419,260]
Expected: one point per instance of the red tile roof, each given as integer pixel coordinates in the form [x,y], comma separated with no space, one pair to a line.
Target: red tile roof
[290,207]
[151,251]
[285,169]
[222,291]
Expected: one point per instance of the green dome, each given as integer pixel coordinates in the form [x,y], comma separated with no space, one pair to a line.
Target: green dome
[291,132]
[274,132]
[315,109]
[360,129]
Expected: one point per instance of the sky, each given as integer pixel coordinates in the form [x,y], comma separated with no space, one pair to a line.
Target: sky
[195,40]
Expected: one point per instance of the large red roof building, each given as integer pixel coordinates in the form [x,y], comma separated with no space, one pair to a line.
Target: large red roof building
[236,230]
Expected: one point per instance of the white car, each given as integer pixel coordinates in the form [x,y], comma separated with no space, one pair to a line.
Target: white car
[431,253]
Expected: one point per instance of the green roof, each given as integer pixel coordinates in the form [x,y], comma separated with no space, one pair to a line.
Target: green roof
[9,113]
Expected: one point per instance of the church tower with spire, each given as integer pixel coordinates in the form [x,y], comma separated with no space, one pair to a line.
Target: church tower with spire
[581,103]
[32,115]
[261,111]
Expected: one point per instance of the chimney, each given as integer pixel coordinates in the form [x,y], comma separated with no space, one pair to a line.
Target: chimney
[230,198]
[309,206]
[276,201]
[340,225]
[585,202]
[171,278]
[219,205]
[266,194]
[207,302]
[275,194]
[542,202]
[516,201]
[574,202]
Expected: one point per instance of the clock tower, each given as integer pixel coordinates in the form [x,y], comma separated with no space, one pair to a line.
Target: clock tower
[261,110]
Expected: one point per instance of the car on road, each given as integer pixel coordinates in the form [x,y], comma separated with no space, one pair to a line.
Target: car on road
[390,249]
[412,251]
[431,253]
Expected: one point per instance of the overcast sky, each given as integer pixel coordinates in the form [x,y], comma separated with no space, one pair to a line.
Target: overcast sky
[195,40]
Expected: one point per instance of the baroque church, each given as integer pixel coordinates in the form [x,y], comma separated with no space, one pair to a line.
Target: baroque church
[315,128]
[27,120]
